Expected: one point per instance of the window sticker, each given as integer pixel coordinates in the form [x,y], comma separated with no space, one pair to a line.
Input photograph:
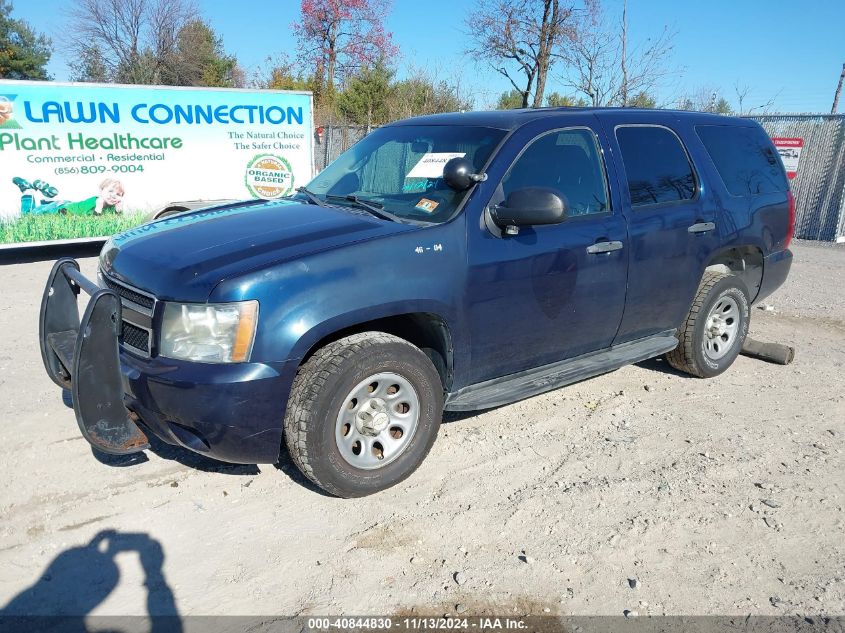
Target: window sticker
[415,184]
[426,205]
[431,164]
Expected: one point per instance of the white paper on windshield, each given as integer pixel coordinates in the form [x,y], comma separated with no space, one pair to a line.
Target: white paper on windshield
[431,165]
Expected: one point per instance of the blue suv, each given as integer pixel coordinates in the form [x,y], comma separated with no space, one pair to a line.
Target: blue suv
[456,261]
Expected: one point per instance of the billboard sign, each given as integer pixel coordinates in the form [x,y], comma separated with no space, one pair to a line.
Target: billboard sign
[86,160]
[790,153]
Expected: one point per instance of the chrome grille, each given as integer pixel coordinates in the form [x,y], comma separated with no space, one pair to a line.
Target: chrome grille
[136,337]
[138,309]
[125,292]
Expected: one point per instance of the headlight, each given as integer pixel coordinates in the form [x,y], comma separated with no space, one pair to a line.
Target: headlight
[208,332]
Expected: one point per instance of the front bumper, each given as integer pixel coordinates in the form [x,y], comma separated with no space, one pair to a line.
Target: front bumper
[232,412]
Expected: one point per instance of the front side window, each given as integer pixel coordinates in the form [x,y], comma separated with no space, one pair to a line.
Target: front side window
[656,165]
[399,169]
[567,161]
[745,159]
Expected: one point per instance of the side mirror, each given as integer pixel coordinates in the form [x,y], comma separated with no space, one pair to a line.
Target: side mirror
[458,174]
[529,207]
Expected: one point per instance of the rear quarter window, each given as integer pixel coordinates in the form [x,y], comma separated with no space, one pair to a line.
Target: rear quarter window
[745,159]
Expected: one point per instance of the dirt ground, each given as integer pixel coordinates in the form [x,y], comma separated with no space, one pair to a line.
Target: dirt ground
[642,490]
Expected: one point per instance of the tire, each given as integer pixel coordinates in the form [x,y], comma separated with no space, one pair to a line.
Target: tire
[332,405]
[708,350]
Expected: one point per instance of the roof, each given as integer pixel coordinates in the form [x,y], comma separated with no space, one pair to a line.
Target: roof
[512,119]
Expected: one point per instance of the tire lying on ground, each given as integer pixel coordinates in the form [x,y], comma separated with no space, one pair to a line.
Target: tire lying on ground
[711,337]
[363,413]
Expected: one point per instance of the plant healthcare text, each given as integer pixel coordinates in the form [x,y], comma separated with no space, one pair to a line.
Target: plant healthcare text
[76,141]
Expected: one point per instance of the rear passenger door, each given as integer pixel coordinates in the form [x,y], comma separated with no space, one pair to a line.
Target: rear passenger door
[671,225]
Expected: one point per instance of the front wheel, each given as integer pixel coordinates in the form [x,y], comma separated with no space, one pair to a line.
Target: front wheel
[363,413]
[712,335]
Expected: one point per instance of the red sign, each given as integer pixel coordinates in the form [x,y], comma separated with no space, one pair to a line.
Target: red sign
[790,153]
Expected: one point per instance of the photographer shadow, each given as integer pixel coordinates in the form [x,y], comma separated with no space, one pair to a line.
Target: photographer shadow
[80,578]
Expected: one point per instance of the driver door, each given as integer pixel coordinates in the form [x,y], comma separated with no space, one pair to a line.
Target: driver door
[548,293]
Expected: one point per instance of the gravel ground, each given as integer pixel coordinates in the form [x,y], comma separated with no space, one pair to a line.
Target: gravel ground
[642,490]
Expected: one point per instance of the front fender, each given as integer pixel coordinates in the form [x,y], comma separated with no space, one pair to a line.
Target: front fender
[305,342]
[305,300]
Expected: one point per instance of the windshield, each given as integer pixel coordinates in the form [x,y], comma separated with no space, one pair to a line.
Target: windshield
[399,169]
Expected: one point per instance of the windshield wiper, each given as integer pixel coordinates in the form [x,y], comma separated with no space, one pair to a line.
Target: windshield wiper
[373,207]
[312,197]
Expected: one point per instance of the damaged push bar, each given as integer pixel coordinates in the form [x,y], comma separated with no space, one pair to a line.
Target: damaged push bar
[83,356]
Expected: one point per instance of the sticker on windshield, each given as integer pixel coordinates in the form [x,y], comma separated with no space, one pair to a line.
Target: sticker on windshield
[415,184]
[426,205]
[431,165]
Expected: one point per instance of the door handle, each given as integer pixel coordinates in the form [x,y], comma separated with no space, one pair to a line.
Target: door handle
[604,247]
[701,227]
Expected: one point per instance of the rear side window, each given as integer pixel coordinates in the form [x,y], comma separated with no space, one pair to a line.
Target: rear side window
[656,165]
[745,159]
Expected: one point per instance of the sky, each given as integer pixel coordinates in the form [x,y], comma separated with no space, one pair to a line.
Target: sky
[788,51]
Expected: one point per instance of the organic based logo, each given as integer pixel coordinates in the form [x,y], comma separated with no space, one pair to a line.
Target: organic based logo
[268,177]
[7,113]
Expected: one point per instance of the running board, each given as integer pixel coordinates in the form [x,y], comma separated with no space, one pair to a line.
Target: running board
[507,389]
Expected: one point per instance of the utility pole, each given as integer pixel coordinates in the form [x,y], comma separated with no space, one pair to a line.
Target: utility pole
[625,53]
[838,92]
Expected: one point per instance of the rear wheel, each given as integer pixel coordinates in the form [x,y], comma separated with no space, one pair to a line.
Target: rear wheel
[364,411]
[712,335]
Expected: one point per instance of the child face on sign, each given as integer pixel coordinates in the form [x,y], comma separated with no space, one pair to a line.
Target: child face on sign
[112,194]
[5,110]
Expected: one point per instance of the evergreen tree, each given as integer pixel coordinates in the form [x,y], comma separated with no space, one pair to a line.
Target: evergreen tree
[201,60]
[510,100]
[557,100]
[23,52]
[364,99]
[642,100]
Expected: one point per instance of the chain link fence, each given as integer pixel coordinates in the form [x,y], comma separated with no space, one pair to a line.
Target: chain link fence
[819,182]
[334,140]
[818,186]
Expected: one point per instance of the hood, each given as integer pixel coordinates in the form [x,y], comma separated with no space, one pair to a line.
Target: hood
[183,257]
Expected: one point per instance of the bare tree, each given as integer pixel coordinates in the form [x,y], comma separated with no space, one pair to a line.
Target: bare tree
[422,92]
[135,40]
[742,92]
[593,65]
[521,40]
[705,99]
[337,38]
[607,69]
